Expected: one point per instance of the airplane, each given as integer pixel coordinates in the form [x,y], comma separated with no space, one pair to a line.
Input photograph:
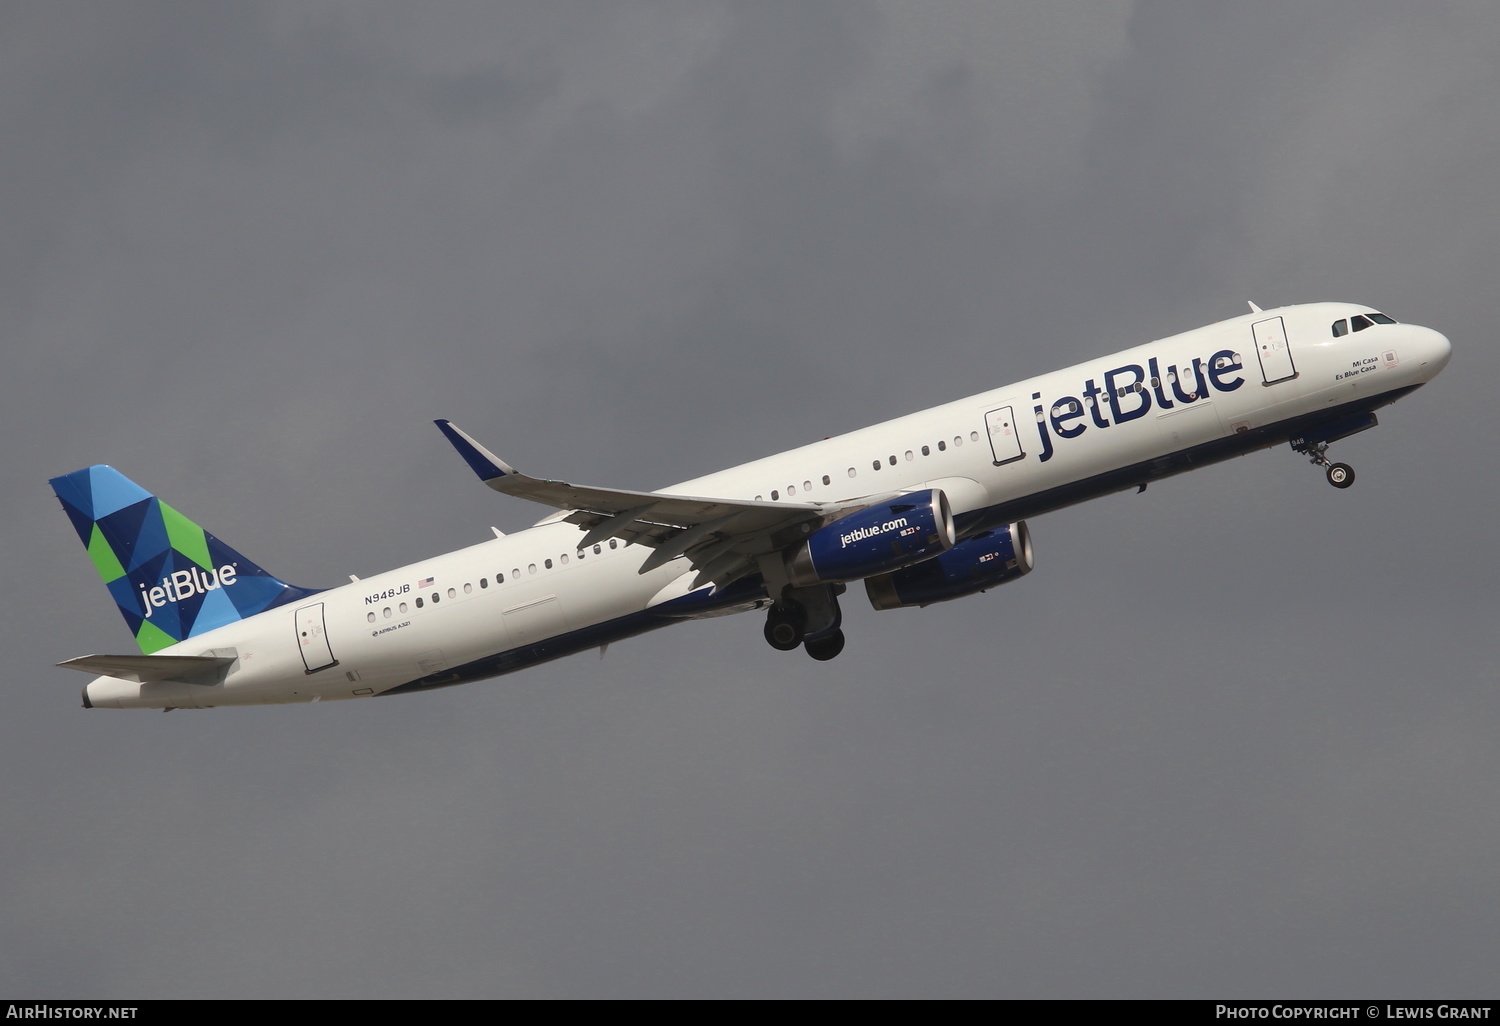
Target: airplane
[923,509]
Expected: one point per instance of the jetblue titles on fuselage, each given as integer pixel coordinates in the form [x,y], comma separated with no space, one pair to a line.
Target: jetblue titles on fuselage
[1129,390]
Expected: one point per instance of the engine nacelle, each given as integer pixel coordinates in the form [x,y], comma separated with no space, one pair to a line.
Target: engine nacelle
[974,564]
[879,538]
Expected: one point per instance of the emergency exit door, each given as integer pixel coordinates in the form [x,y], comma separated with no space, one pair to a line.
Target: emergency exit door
[1005,438]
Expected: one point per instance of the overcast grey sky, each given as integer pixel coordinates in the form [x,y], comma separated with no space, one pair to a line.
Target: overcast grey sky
[1234,737]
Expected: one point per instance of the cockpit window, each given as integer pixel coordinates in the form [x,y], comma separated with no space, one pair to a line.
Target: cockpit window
[1340,328]
[1361,322]
[1380,318]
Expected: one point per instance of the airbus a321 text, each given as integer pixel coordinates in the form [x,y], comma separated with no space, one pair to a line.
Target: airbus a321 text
[922,509]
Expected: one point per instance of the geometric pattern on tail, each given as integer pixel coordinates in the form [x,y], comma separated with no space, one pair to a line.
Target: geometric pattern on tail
[171,579]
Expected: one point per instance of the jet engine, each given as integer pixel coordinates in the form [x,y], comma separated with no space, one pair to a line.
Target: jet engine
[877,539]
[974,564]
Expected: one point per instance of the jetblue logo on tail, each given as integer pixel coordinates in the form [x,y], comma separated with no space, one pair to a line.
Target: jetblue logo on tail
[170,579]
[185,584]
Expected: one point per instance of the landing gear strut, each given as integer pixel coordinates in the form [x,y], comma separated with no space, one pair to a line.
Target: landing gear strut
[1340,475]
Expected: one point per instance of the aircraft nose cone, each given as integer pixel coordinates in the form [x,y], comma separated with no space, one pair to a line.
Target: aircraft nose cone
[1441,350]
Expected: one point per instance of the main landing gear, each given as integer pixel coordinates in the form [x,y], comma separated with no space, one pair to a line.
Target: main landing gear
[1340,475]
[785,624]
[810,620]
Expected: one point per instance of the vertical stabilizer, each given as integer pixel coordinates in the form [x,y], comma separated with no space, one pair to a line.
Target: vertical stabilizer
[171,579]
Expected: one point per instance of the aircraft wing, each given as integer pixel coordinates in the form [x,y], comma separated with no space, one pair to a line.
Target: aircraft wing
[722,538]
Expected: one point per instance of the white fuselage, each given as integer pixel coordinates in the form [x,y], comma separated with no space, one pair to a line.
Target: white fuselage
[1014,451]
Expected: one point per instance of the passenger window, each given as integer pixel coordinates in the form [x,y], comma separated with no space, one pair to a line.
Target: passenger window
[909,456]
[419,603]
[547,563]
[468,588]
[957,441]
[564,558]
[791,489]
[1360,323]
[852,471]
[973,436]
[613,543]
[926,451]
[827,480]
[434,598]
[499,578]
[775,495]
[597,550]
[484,582]
[370,616]
[1340,328]
[807,486]
[531,568]
[452,593]
[875,464]
[893,459]
[942,447]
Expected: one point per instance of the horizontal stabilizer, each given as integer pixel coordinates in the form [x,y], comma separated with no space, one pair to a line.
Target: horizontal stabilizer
[147,669]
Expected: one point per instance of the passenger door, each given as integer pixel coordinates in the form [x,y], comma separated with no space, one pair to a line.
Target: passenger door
[312,639]
[1274,351]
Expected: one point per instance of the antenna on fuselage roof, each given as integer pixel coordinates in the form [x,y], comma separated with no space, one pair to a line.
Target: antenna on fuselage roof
[1253,307]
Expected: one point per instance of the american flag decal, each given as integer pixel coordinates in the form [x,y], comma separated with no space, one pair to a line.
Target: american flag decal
[426,582]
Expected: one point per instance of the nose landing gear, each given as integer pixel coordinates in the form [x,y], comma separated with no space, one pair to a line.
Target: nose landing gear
[1340,475]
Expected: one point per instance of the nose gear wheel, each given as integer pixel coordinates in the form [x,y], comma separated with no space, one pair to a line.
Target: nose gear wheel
[1340,475]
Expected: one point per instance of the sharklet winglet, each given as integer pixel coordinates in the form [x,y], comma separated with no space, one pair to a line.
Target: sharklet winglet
[486,464]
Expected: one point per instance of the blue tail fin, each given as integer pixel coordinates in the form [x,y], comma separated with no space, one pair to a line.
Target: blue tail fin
[171,579]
